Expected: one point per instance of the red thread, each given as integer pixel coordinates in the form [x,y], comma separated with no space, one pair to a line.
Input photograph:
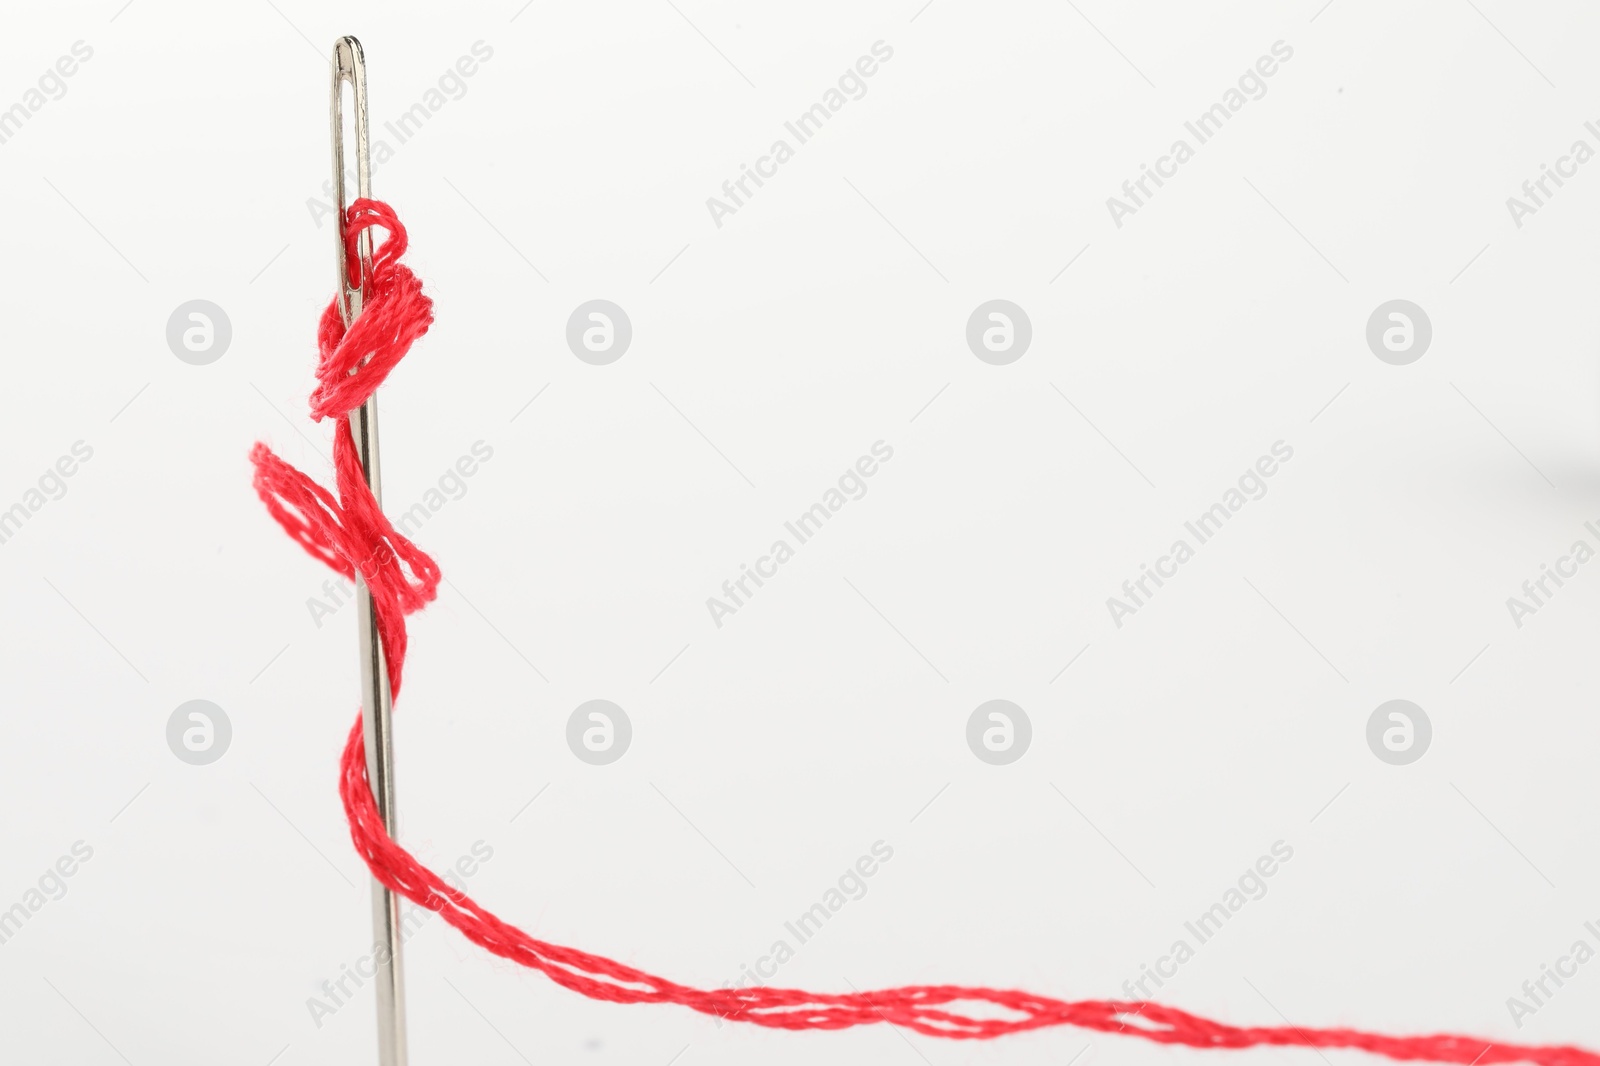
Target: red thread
[350,534]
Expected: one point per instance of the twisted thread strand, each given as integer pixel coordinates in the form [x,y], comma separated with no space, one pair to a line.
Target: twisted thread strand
[350,534]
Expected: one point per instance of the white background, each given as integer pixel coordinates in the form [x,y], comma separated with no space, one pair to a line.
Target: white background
[824,316]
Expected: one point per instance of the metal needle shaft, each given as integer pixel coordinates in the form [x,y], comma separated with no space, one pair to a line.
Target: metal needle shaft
[377,712]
